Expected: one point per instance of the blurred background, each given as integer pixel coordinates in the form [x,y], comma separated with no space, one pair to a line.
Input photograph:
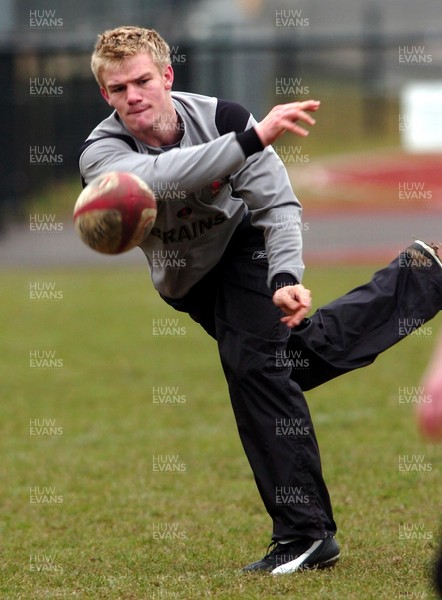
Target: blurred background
[368,61]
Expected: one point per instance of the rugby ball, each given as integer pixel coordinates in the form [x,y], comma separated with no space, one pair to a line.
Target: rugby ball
[115,212]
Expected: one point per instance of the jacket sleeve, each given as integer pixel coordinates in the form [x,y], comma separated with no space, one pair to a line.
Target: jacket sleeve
[188,169]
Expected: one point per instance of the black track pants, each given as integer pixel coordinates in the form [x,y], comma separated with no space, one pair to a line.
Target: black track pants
[267,365]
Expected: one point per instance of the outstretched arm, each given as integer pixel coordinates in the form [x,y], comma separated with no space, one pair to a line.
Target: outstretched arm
[194,167]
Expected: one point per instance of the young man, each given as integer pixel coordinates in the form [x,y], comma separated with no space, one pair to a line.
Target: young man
[226,207]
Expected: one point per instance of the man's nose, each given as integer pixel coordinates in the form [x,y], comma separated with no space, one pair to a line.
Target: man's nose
[133,94]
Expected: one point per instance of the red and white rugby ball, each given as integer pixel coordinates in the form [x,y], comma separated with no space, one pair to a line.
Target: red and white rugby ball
[115,212]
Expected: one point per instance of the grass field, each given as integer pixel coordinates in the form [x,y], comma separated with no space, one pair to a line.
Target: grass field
[86,515]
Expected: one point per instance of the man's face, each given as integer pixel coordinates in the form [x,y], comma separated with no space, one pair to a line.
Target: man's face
[140,93]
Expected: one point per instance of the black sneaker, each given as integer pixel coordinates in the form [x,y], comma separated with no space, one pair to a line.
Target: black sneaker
[428,251]
[300,555]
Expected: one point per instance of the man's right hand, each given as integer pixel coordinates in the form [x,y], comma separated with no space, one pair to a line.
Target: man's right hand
[283,117]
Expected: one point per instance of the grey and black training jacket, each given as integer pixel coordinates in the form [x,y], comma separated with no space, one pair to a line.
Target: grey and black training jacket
[204,187]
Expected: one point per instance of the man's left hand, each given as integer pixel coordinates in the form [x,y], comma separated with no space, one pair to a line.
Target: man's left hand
[295,302]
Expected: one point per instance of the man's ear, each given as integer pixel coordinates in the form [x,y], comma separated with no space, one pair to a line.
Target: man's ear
[105,95]
[168,77]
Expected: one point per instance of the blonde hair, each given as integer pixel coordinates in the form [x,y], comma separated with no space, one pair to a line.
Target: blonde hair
[115,45]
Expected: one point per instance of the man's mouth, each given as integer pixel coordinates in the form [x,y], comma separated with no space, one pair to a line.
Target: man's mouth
[137,111]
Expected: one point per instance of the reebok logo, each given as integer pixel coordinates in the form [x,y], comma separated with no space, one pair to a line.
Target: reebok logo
[259,255]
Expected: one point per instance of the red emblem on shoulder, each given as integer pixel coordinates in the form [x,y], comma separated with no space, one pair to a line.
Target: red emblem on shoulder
[215,187]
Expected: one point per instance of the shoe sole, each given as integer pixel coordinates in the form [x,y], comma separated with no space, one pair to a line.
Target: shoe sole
[429,251]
